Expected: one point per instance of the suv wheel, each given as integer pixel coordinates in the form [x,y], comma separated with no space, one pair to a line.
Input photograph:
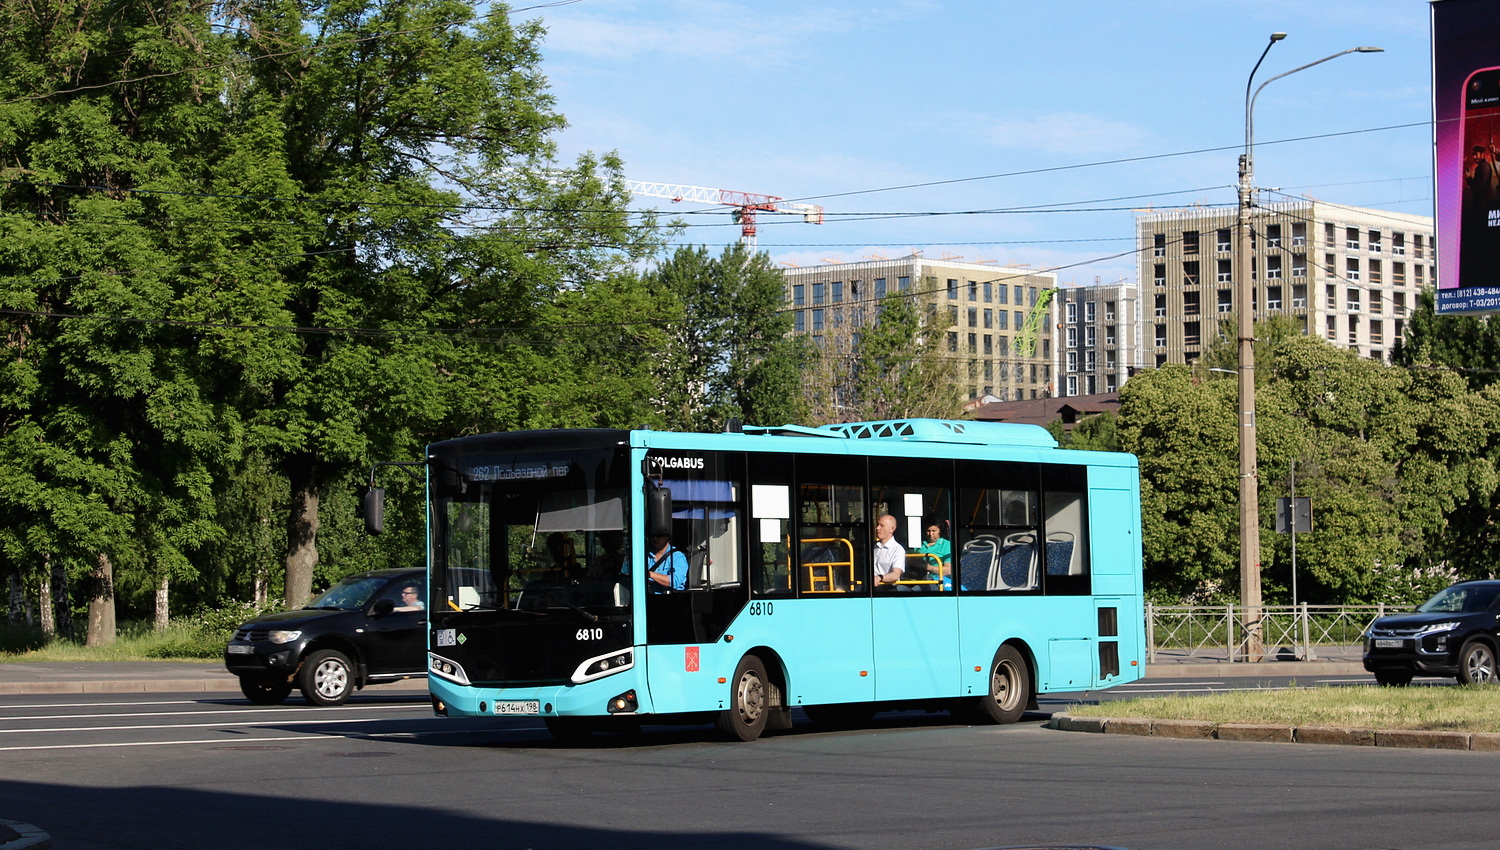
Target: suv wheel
[265,691]
[1476,664]
[326,677]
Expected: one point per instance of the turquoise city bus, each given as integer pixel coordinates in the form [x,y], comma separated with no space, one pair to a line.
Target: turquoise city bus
[1022,574]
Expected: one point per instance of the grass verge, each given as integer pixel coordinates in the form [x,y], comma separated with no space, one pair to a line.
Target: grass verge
[1424,708]
[199,637]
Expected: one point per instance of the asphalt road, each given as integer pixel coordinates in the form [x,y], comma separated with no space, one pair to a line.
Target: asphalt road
[192,771]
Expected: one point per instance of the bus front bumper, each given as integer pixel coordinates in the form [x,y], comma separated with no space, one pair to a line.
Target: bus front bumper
[614,695]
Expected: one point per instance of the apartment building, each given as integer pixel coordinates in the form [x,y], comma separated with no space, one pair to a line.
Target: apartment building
[995,321]
[1346,273]
[1098,336]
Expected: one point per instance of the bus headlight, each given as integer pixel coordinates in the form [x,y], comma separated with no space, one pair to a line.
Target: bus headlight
[437,665]
[604,665]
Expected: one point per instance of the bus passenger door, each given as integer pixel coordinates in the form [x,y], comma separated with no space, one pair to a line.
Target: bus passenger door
[916,645]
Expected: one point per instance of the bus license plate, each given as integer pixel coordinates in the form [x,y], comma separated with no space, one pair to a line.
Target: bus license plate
[527,706]
[1388,643]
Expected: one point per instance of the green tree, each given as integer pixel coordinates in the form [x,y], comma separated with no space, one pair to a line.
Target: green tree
[728,353]
[883,360]
[401,126]
[1389,456]
[106,114]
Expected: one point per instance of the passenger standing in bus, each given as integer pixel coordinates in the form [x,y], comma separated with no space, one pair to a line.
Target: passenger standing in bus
[890,556]
[666,566]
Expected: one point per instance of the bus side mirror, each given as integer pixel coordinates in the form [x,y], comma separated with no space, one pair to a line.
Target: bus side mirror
[374,510]
[659,512]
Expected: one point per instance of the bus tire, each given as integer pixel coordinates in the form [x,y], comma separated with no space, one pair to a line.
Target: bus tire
[749,708]
[1009,688]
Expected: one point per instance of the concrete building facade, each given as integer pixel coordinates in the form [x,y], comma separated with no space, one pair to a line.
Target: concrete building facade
[1348,274]
[988,316]
[1097,336]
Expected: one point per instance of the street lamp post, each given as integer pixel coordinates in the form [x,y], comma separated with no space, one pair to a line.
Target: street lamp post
[1250,601]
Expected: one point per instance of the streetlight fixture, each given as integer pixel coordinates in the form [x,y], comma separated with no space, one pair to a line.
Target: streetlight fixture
[1250,600]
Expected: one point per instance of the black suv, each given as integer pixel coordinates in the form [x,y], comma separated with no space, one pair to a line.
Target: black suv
[1452,634]
[368,628]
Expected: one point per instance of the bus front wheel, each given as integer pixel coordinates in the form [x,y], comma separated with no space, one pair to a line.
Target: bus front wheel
[1009,688]
[745,718]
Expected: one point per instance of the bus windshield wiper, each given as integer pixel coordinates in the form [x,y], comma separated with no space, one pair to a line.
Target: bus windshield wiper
[577,609]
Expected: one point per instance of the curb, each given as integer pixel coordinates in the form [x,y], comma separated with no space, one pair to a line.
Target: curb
[15,835]
[1275,733]
[1310,669]
[153,686]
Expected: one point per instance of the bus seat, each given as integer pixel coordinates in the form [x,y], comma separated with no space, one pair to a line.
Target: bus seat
[1060,554]
[829,564]
[1017,569]
[977,560]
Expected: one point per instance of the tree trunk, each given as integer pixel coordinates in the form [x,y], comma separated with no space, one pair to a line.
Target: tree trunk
[62,597]
[302,534]
[46,609]
[101,629]
[19,611]
[159,621]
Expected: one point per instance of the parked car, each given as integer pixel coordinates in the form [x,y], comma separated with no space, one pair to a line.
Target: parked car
[1455,633]
[368,628]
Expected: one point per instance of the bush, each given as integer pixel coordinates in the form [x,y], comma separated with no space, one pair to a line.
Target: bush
[202,635]
[20,638]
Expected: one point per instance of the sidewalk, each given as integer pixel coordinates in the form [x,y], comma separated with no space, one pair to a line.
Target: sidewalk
[1277,661]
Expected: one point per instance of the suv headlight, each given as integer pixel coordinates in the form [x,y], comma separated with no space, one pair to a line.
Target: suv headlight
[283,635]
[1438,627]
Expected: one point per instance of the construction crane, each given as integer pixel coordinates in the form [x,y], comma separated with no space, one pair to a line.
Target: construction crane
[1026,339]
[745,204]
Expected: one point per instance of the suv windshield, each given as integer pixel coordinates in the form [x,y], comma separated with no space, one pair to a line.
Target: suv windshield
[531,532]
[1462,599]
[350,593]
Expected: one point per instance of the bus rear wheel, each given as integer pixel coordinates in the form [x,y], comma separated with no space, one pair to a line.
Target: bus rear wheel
[1009,688]
[749,708]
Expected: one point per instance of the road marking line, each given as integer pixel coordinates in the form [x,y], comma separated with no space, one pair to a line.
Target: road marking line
[299,710]
[163,743]
[375,736]
[196,725]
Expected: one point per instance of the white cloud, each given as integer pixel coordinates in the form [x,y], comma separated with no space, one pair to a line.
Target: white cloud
[1070,133]
[729,34]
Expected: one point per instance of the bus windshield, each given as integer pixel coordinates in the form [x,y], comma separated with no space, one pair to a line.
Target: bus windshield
[541,533]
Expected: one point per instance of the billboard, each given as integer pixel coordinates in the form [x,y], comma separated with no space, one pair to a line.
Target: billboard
[1466,130]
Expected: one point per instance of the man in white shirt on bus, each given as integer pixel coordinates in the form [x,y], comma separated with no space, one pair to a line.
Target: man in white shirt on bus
[890,556]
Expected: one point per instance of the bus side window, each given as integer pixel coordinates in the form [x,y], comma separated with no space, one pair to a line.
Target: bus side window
[1066,524]
[771,527]
[832,540]
[1001,548]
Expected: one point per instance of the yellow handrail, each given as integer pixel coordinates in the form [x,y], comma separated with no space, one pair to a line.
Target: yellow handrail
[820,574]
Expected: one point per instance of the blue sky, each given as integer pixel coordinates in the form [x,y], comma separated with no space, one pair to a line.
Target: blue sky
[895,107]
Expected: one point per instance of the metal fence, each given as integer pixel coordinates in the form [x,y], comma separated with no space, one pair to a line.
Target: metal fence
[1225,633]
